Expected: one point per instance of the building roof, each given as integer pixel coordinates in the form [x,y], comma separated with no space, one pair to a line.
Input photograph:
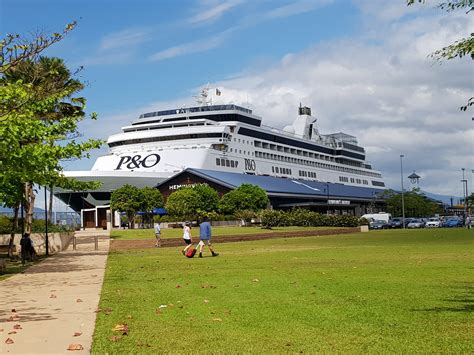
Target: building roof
[276,186]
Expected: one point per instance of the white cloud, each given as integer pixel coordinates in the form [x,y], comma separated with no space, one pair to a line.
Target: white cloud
[125,38]
[201,45]
[210,12]
[295,8]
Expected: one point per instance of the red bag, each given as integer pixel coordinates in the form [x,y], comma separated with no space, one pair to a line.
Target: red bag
[191,252]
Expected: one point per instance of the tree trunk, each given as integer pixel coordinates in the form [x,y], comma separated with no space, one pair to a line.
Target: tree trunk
[29,206]
[50,208]
[131,220]
[12,234]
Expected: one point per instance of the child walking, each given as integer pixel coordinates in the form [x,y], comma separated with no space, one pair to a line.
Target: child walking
[188,240]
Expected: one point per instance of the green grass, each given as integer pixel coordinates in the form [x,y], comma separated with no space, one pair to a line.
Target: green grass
[135,234]
[378,292]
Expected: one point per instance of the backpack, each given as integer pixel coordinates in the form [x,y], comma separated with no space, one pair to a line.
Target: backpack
[191,252]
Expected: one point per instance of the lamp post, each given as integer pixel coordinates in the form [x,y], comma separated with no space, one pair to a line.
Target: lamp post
[403,197]
[46,220]
[464,195]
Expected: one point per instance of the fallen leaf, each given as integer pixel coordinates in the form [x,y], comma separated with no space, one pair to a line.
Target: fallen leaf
[75,347]
[78,300]
[1,329]
[163,306]
[206,301]
[178,286]
[171,305]
[123,328]
[217,319]
[10,319]
[98,310]
[53,296]
[12,332]
[107,311]
[158,311]
[13,310]
[17,326]
[115,338]
[129,316]
[9,341]
[77,334]
[255,280]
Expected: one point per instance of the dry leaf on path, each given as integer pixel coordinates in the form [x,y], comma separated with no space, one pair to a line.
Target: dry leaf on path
[17,326]
[78,300]
[13,310]
[75,347]
[77,334]
[9,341]
[12,332]
[53,296]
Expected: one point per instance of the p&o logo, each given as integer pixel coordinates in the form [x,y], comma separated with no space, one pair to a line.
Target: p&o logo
[136,161]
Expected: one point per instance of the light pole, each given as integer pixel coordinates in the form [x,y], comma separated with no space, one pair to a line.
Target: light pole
[403,197]
[464,194]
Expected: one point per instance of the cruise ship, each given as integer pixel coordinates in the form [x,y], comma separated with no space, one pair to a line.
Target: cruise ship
[228,138]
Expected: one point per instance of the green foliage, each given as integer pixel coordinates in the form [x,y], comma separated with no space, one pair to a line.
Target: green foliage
[126,199]
[6,226]
[245,197]
[416,204]
[193,202]
[305,218]
[39,116]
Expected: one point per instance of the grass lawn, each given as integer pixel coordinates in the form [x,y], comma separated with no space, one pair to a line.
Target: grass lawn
[400,291]
[134,234]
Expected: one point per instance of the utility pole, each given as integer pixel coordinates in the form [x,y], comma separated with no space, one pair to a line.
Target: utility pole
[403,197]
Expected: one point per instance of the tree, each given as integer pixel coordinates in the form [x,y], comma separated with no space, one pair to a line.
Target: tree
[191,202]
[416,204]
[127,199]
[245,197]
[35,114]
[461,47]
[149,199]
[183,203]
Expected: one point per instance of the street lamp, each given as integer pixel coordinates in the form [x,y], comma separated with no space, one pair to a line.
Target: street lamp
[464,194]
[403,197]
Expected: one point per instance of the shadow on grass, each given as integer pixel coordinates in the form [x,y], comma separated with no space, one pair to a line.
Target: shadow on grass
[463,301]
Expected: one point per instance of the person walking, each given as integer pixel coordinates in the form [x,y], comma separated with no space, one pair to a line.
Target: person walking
[188,239]
[26,246]
[157,235]
[205,237]
[468,222]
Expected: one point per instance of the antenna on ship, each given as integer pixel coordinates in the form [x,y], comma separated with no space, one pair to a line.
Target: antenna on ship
[203,98]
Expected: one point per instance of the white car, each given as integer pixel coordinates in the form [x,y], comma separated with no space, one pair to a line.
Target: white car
[433,223]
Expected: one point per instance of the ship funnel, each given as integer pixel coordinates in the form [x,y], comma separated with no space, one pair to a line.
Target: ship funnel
[304,110]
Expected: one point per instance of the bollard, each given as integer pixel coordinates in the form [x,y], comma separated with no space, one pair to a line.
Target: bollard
[96,243]
[74,243]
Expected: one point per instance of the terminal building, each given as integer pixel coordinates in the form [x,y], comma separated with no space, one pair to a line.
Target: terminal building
[283,193]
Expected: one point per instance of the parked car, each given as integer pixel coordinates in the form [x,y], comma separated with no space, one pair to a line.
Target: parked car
[395,223]
[453,222]
[378,224]
[416,223]
[433,223]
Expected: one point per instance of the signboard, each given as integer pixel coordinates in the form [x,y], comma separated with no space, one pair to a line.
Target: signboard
[339,202]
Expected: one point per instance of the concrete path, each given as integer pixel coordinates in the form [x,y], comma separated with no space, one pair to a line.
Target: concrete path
[52,304]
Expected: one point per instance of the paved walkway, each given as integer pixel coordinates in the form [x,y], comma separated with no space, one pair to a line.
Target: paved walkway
[52,304]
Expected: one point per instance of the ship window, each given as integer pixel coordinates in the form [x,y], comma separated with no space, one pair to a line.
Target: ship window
[276,169]
[222,161]
[232,163]
[227,163]
[273,169]
[218,162]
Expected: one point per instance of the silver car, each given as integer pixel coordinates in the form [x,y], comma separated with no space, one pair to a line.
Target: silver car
[433,223]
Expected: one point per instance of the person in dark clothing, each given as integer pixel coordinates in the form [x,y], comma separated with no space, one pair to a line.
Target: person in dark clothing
[26,248]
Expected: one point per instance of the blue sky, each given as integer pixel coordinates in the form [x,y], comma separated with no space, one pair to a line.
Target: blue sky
[361,65]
